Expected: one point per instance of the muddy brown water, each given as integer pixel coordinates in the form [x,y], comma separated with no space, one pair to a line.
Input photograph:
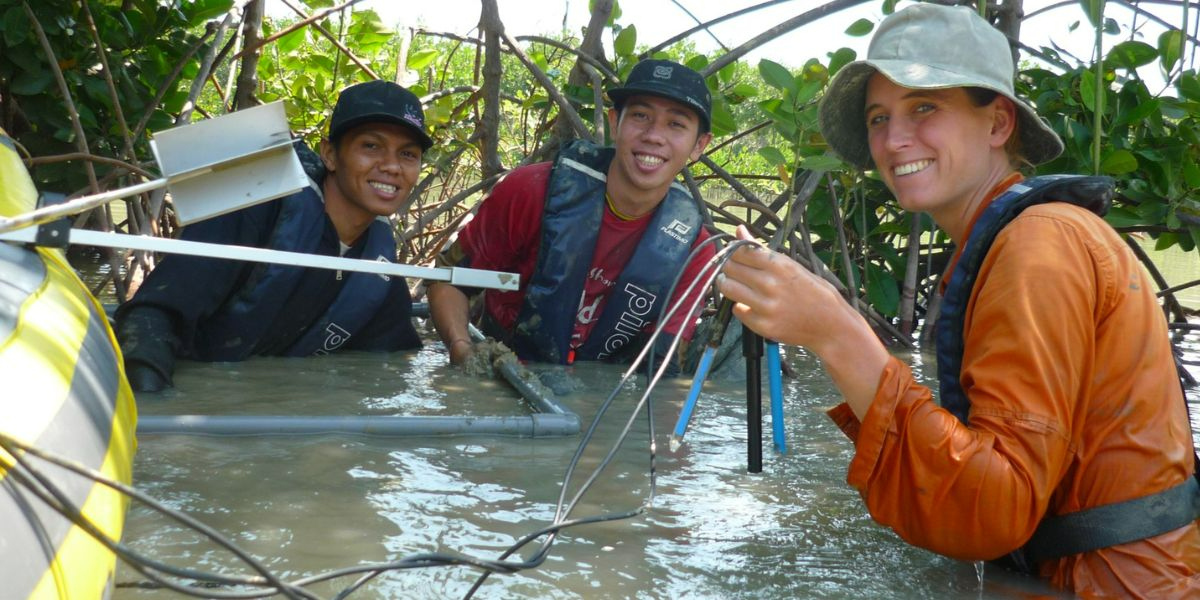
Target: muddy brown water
[305,505]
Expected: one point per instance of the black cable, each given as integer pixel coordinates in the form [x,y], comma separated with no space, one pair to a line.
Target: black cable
[714,265]
[714,239]
[38,484]
[41,486]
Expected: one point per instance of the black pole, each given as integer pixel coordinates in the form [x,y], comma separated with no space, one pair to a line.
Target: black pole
[752,349]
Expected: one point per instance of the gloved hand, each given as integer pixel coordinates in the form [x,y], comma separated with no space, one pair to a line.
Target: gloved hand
[144,378]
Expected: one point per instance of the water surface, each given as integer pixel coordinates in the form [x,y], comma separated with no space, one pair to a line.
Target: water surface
[309,504]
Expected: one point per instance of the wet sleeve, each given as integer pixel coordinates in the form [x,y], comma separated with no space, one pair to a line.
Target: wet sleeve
[148,339]
[978,492]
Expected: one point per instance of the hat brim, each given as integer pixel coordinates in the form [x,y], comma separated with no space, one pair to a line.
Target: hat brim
[621,94]
[422,137]
[843,122]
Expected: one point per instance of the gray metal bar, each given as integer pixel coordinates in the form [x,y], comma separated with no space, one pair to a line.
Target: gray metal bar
[87,237]
[536,426]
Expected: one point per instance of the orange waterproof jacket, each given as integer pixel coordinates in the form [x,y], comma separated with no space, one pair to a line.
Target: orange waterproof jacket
[1075,403]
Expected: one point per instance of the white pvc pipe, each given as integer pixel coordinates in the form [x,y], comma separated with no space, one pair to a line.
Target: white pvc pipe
[536,426]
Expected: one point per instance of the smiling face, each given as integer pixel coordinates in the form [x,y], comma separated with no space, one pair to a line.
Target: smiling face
[372,168]
[936,150]
[654,137]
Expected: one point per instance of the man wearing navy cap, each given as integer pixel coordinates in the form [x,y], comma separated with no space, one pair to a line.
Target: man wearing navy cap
[598,235]
[223,310]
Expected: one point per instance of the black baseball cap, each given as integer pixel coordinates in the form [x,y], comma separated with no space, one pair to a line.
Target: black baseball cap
[378,101]
[669,80]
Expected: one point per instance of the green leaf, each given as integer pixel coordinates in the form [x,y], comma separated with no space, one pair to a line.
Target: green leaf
[808,91]
[15,26]
[1188,242]
[727,73]
[822,162]
[840,58]
[422,58]
[626,41]
[199,11]
[1119,216]
[1118,162]
[32,84]
[740,93]
[1094,9]
[777,76]
[882,291]
[1139,112]
[860,28]
[581,94]
[1132,54]
[1165,241]
[1189,86]
[290,42]
[785,128]
[1170,46]
[1191,174]
[1087,90]
[65,135]
[722,120]
[772,155]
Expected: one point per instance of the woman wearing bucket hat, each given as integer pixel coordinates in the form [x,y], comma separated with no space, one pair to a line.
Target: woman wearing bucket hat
[1061,444]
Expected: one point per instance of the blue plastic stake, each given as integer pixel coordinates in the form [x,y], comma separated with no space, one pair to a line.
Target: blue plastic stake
[685,415]
[775,379]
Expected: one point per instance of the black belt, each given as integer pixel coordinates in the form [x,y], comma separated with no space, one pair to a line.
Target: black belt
[1115,524]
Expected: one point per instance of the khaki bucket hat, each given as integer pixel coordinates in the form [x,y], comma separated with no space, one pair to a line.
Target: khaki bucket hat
[929,46]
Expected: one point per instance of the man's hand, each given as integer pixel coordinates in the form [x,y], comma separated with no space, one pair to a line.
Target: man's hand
[461,350]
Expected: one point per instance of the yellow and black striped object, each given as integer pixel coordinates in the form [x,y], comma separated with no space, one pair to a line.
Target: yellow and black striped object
[63,392]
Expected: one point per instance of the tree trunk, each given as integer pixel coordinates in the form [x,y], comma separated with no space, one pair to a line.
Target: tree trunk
[590,46]
[493,30]
[247,83]
[1008,21]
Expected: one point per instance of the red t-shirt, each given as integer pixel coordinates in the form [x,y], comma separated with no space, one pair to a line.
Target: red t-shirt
[506,233]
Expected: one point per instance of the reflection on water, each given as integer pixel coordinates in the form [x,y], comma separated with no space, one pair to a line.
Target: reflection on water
[310,504]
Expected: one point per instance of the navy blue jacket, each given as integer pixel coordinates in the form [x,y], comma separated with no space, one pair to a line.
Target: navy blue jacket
[216,309]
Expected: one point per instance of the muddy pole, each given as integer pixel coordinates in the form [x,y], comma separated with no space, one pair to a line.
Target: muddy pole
[752,349]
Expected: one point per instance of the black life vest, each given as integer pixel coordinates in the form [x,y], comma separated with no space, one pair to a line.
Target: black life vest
[571,221]
[235,330]
[1092,528]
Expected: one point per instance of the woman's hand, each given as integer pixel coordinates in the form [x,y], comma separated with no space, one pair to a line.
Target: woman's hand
[781,300]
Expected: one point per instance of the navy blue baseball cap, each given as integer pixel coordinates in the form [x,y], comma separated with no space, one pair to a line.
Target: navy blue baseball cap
[670,80]
[378,101]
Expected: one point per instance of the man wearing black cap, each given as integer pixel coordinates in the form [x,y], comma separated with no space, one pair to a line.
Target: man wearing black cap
[222,310]
[598,235]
